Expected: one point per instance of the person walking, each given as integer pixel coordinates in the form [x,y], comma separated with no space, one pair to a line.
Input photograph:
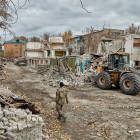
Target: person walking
[61,99]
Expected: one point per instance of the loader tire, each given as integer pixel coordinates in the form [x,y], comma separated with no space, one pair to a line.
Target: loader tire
[130,84]
[103,80]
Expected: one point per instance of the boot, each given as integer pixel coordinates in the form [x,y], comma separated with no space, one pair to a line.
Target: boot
[64,117]
[59,117]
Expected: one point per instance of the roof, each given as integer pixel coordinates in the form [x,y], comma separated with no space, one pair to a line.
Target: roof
[15,41]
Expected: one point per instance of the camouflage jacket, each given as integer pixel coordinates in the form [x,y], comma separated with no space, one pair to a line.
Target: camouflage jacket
[61,96]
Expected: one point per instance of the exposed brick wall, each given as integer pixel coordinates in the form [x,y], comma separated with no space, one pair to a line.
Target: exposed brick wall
[10,50]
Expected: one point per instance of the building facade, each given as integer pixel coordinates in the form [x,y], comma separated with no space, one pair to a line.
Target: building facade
[13,48]
[132,46]
[76,45]
[94,42]
[128,43]
[34,50]
[57,47]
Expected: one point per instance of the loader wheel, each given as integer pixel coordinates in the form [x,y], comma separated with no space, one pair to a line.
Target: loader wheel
[130,84]
[103,80]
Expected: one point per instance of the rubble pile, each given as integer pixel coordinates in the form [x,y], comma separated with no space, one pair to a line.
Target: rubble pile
[20,124]
[42,69]
[53,77]
[12,100]
[20,62]
[2,73]
[18,119]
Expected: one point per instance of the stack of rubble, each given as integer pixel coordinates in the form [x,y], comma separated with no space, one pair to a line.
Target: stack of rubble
[42,69]
[17,119]
[19,124]
[1,67]
[12,100]
[59,72]
[54,76]
[20,62]
[2,73]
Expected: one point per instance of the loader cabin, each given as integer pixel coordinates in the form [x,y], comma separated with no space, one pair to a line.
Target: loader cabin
[118,60]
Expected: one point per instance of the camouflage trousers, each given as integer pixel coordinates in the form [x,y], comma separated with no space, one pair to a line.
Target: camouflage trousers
[59,108]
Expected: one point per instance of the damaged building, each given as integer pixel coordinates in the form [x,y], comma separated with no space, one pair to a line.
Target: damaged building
[126,43]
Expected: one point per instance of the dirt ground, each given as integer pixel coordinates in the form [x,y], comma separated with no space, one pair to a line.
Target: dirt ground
[92,113]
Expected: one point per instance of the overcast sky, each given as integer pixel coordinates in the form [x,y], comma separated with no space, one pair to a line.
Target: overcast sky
[55,16]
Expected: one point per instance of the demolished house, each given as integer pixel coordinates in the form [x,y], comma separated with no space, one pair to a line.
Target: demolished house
[128,43]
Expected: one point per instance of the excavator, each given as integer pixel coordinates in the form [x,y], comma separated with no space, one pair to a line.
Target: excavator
[119,73]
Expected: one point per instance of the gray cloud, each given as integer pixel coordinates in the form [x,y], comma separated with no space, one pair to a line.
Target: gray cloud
[54,16]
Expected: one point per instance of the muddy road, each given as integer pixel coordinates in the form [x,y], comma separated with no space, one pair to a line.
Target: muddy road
[92,113]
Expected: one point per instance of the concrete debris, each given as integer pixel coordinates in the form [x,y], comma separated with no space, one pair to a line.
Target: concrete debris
[4,60]
[53,77]
[13,101]
[20,124]
[2,72]
[20,62]
[17,119]
[42,69]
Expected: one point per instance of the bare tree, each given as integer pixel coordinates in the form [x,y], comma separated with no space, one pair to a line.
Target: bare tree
[35,39]
[132,29]
[66,37]
[45,36]
[9,13]
[92,38]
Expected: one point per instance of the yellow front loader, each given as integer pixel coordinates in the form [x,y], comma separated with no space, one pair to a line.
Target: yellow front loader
[118,73]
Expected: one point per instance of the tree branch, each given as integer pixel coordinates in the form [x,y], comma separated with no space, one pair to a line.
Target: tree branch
[83,7]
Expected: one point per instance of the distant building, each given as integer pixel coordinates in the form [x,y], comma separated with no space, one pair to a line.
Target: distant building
[128,43]
[110,33]
[108,45]
[14,48]
[93,40]
[34,50]
[76,45]
[89,43]
[56,46]
[132,45]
